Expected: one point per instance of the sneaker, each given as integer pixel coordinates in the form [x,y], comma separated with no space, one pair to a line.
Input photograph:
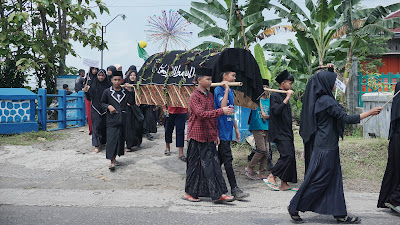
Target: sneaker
[239,194]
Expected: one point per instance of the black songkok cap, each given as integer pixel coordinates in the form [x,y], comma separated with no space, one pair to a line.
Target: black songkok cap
[228,68]
[285,75]
[117,73]
[203,72]
[265,82]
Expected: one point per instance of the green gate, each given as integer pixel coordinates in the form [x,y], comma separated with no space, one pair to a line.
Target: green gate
[366,84]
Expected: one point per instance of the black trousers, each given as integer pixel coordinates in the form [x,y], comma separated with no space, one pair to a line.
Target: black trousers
[178,121]
[225,157]
[285,167]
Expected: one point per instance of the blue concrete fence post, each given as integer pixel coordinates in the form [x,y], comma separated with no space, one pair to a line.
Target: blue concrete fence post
[62,104]
[81,110]
[42,104]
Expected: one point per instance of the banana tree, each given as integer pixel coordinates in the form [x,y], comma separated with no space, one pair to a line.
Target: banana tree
[371,22]
[252,20]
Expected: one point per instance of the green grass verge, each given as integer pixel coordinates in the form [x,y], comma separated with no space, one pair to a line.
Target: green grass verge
[360,158]
[30,138]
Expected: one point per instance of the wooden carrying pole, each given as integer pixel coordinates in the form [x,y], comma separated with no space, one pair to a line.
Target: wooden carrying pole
[231,84]
[275,90]
[385,104]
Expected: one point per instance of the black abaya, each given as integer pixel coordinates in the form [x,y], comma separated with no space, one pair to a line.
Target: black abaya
[390,189]
[204,174]
[116,121]
[149,123]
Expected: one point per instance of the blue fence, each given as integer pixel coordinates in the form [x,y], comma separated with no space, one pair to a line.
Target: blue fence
[71,109]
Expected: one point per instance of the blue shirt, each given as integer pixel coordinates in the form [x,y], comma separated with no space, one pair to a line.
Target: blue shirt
[225,123]
[256,121]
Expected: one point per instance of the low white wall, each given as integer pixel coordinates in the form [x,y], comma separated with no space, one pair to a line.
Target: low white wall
[377,126]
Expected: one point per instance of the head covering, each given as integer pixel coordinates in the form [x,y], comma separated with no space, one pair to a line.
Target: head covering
[127,78]
[118,73]
[203,72]
[395,112]
[96,90]
[318,85]
[118,66]
[133,68]
[284,75]
[265,82]
[112,69]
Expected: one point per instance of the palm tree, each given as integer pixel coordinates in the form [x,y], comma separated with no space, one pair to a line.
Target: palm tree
[252,20]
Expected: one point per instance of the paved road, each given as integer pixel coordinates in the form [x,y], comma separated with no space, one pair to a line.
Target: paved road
[62,182]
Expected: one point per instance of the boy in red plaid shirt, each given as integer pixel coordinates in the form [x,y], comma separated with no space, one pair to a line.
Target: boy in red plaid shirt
[203,172]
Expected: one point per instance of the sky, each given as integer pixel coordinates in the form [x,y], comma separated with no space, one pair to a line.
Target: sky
[122,36]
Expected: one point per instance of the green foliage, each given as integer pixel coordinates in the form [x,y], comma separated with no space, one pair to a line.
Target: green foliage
[252,19]
[35,37]
[260,58]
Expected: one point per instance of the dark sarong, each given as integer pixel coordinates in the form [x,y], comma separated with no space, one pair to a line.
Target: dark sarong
[99,129]
[390,189]
[322,189]
[285,167]
[149,123]
[203,173]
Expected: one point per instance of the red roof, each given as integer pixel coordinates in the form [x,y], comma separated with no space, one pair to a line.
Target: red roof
[395,15]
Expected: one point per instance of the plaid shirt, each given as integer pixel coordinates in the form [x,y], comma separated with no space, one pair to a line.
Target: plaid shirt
[203,117]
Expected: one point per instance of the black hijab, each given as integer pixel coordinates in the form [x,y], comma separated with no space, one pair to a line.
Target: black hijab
[395,113]
[321,84]
[91,76]
[113,70]
[127,80]
[97,88]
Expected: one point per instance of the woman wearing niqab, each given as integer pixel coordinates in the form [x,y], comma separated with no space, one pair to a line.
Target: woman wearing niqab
[389,195]
[322,189]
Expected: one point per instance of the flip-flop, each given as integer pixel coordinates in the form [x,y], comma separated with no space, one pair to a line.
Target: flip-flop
[111,167]
[249,175]
[224,199]
[190,199]
[117,163]
[167,152]
[290,189]
[182,158]
[272,186]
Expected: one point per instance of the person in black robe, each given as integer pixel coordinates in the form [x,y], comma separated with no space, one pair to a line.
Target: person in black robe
[134,121]
[89,77]
[115,100]
[93,93]
[307,130]
[389,195]
[322,189]
[110,72]
[149,123]
[281,133]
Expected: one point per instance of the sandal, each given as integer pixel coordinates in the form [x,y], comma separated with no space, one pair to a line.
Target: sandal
[183,158]
[190,198]
[272,186]
[111,167]
[392,207]
[167,152]
[295,217]
[224,198]
[250,175]
[117,163]
[347,219]
[290,189]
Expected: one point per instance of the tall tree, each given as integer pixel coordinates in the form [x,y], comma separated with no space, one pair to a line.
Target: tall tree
[45,30]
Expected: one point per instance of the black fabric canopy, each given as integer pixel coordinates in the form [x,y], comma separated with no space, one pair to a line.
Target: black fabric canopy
[179,68]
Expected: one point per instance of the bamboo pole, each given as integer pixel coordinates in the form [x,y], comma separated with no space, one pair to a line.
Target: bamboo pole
[385,104]
[241,25]
[275,90]
[231,84]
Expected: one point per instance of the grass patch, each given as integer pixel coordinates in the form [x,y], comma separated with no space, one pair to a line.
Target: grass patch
[30,138]
[360,158]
